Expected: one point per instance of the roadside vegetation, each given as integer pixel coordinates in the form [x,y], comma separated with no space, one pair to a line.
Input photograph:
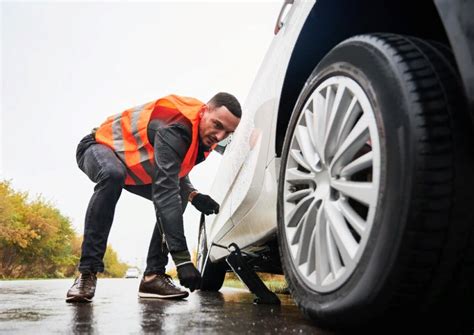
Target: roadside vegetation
[37,241]
[275,283]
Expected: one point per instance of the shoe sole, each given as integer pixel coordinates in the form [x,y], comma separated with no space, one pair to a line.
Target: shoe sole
[78,299]
[158,296]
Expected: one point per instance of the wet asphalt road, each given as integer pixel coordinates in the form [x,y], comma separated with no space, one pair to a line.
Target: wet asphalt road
[38,307]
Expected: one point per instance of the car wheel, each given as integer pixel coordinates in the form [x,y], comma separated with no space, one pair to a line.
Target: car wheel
[213,274]
[375,186]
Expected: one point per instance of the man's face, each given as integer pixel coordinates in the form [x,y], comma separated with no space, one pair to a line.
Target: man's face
[216,124]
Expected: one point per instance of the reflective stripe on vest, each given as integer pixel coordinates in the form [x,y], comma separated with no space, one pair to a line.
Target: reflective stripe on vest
[126,134]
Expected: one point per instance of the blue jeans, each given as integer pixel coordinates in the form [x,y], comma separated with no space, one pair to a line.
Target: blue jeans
[104,168]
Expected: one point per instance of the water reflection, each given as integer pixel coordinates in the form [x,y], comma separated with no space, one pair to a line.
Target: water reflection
[152,312]
[214,312]
[177,316]
[83,318]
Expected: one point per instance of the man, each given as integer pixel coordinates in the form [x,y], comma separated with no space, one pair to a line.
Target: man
[149,150]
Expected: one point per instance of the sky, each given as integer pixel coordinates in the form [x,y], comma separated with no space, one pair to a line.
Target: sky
[66,66]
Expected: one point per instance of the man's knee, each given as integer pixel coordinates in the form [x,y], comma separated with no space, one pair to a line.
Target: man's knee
[113,176]
[102,166]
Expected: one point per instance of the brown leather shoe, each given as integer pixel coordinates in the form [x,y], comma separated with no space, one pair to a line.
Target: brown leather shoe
[83,289]
[161,286]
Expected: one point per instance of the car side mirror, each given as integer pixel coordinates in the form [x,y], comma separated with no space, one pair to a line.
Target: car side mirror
[222,145]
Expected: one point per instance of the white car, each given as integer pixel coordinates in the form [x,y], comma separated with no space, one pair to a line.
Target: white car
[132,273]
[351,171]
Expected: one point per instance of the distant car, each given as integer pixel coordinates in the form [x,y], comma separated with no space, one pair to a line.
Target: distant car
[352,169]
[132,273]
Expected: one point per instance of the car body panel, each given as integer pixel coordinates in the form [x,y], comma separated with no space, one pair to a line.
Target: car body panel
[251,233]
[244,168]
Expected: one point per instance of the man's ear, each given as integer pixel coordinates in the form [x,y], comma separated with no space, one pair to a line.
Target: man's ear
[204,108]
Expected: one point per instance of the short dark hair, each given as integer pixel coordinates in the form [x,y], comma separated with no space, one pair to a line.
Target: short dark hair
[227,100]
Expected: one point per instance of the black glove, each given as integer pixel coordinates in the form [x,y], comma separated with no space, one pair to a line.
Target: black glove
[189,276]
[205,204]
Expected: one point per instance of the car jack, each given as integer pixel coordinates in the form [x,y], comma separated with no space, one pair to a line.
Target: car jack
[248,276]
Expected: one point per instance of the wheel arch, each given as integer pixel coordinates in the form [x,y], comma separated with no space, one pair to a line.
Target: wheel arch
[320,34]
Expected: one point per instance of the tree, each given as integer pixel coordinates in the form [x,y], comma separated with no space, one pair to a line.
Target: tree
[15,234]
[36,240]
[113,267]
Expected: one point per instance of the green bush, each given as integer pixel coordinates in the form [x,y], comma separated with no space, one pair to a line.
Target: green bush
[37,241]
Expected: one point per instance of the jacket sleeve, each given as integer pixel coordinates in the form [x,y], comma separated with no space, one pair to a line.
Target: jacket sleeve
[171,142]
[186,186]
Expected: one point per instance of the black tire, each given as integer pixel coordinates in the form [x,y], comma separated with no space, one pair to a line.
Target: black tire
[419,260]
[213,274]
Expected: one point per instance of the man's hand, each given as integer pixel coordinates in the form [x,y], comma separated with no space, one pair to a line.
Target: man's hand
[205,204]
[189,276]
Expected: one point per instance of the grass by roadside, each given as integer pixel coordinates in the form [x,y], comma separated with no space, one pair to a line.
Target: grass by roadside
[275,283]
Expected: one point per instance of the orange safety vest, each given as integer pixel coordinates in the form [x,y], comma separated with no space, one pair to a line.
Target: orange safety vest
[126,134]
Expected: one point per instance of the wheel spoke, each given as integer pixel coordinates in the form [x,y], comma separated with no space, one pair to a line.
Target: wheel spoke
[297,236]
[329,102]
[321,250]
[296,155]
[361,163]
[311,264]
[352,217]
[309,118]
[305,143]
[339,109]
[350,116]
[298,195]
[354,141]
[361,191]
[319,114]
[346,244]
[307,230]
[297,177]
[294,217]
[333,255]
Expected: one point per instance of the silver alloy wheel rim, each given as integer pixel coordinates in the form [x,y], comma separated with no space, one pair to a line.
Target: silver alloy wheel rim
[331,183]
